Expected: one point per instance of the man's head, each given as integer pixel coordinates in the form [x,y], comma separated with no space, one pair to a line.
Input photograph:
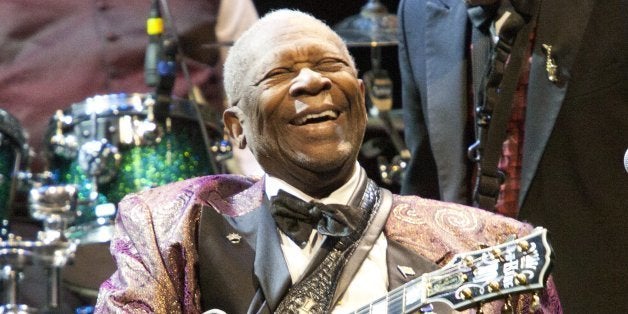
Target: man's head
[296,101]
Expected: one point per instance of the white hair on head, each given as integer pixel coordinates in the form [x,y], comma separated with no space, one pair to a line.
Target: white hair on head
[241,56]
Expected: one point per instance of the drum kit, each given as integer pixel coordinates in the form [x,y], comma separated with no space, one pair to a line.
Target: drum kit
[107,146]
[98,151]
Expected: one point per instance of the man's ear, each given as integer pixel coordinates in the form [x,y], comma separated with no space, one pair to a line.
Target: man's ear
[363,95]
[233,125]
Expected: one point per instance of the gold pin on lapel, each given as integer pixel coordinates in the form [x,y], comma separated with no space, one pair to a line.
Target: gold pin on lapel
[550,64]
[406,271]
[234,238]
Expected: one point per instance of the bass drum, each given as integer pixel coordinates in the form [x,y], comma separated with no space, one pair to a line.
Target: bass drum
[13,159]
[112,145]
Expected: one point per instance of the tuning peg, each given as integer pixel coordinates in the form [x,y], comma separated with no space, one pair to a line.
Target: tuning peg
[523,246]
[497,253]
[507,308]
[521,279]
[536,303]
[467,293]
[493,286]
[468,260]
[479,309]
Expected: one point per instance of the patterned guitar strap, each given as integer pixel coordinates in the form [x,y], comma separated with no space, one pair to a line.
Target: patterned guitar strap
[315,292]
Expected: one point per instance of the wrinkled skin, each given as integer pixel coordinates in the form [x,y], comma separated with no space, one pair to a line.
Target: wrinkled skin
[302,112]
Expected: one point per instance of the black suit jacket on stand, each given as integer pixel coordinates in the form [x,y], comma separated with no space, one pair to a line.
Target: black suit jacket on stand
[576,133]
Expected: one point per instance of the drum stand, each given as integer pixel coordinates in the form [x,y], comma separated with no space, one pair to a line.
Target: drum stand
[374,27]
[55,207]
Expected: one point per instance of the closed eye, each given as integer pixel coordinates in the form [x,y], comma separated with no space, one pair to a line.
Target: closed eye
[330,65]
[274,73]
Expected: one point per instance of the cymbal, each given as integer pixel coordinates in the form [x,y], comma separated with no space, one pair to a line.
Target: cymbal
[374,26]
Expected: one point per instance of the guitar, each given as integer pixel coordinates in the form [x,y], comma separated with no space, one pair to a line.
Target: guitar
[517,266]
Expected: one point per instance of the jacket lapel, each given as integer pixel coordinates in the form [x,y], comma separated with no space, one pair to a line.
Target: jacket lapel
[270,266]
[258,247]
[564,32]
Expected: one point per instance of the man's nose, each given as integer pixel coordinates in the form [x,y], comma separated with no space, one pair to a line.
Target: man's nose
[309,82]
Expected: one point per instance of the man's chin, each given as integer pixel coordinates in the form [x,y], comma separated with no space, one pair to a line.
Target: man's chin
[325,166]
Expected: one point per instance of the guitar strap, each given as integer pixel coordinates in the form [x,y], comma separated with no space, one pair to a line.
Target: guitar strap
[366,242]
[331,271]
[493,113]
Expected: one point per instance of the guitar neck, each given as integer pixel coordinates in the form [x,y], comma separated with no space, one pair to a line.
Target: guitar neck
[404,299]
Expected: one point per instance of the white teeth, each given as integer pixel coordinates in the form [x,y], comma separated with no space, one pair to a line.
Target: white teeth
[327,113]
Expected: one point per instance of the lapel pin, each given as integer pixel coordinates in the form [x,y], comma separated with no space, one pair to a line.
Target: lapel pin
[234,238]
[550,64]
[406,271]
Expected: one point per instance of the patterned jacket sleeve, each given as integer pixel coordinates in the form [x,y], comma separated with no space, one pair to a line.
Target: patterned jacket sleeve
[155,272]
[439,230]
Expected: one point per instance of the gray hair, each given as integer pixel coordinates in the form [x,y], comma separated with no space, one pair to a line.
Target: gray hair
[240,56]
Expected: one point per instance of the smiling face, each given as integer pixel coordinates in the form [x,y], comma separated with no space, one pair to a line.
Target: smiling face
[301,110]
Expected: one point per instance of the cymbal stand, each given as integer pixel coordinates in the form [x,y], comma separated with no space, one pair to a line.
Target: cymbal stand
[55,207]
[379,88]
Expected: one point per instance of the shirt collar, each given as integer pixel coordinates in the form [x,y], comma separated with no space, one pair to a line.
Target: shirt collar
[342,195]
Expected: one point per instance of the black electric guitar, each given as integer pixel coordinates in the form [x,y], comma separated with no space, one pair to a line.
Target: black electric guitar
[514,267]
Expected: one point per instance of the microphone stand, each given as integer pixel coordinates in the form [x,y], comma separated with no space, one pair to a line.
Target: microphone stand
[166,67]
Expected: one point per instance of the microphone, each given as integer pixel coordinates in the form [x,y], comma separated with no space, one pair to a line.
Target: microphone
[154,29]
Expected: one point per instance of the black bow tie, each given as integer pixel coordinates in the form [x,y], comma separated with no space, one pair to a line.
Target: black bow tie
[296,218]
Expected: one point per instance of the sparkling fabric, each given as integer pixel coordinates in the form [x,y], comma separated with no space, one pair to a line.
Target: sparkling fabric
[154,244]
[439,230]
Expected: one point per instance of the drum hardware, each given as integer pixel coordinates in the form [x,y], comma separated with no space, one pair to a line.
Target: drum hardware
[222,150]
[55,207]
[99,160]
[14,157]
[379,87]
[63,145]
[373,27]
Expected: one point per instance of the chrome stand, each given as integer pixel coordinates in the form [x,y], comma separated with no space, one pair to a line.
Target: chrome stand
[55,207]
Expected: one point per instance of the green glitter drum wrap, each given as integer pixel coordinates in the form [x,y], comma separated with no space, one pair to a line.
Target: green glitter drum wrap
[178,152]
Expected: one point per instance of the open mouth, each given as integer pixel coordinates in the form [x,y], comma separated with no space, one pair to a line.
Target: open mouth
[327,115]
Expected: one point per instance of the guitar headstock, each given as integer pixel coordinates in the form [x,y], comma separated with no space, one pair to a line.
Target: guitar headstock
[517,266]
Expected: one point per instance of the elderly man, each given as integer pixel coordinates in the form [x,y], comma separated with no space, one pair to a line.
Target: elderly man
[236,244]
